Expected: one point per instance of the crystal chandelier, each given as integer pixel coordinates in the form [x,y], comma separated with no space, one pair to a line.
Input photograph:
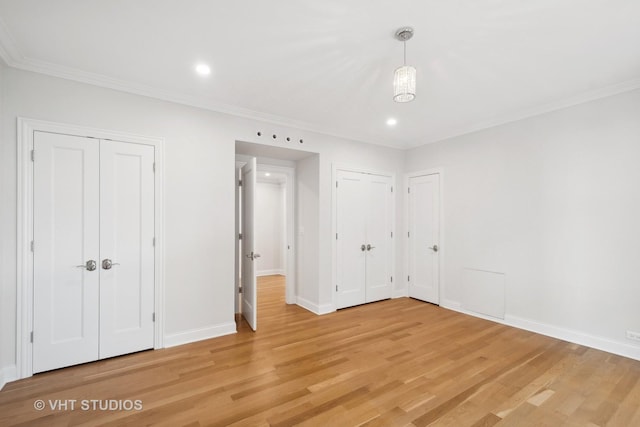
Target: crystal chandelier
[404,78]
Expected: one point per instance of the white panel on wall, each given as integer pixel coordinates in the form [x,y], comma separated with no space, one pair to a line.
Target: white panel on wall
[483,292]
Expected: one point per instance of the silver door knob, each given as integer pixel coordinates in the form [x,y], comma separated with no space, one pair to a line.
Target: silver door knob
[89,266]
[369,247]
[107,264]
[434,248]
[252,256]
[363,248]
[256,256]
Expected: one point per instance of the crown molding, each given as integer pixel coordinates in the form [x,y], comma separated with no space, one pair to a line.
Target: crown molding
[583,98]
[8,50]
[12,56]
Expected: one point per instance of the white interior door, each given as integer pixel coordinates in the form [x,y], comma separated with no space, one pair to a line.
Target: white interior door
[126,248]
[249,285]
[424,238]
[66,250]
[351,211]
[379,241]
[93,213]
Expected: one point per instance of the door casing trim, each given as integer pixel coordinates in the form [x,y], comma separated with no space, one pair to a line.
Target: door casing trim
[24,283]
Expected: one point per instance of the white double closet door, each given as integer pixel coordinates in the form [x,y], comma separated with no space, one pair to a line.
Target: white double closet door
[93,282]
[364,215]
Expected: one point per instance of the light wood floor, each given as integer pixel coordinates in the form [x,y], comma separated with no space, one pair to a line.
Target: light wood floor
[399,362]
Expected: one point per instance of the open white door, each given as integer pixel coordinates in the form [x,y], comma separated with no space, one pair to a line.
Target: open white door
[424,238]
[249,285]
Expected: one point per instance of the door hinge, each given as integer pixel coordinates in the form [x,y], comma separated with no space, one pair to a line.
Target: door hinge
[32,246]
[240,183]
[336,236]
[336,288]
[408,278]
[153,317]
[31,336]
[336,184]
[409,190]
[391,279]
[154,167]
[392,234]
[392,188]
[153,242]
[239,236]
[408,234]
[33,155]
[240,290]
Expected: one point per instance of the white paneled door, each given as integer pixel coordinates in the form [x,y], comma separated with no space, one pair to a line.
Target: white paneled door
[126,247]
[424,238]
[66,229]
[249,282]
[93,288]
[364,241]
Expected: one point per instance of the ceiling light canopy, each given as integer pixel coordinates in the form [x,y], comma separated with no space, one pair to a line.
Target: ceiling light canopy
[392,122]
[404,78]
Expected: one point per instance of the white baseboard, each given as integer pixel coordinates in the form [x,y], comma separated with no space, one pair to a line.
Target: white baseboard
[274,272]
[315,308]
[447,303]
[8,374]
[199,334]
[576,337]
[400,293]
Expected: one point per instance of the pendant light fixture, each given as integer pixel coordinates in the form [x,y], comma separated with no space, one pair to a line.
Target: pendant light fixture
[404,78]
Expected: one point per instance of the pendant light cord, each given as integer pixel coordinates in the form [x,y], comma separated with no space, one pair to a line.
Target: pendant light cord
[404,43]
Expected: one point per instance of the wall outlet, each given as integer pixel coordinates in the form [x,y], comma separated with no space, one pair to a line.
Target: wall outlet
[633,335]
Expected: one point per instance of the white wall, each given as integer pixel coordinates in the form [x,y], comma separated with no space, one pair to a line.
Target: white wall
[553,202]
[269,218]
[199,192]
[307,234]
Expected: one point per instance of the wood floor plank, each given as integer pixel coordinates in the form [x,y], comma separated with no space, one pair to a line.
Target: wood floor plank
[399,362]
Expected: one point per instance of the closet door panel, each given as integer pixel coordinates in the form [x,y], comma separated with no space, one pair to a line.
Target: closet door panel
[66,238]
[351,197]
[379,241]
[126,248]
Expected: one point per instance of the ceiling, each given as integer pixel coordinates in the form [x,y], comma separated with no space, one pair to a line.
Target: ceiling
[328,65]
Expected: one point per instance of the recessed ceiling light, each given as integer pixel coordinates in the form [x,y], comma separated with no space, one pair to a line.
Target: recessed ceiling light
[267,174]
[392,122]
[203,69]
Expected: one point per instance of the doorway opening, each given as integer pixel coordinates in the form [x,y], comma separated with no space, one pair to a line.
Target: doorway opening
[265,228]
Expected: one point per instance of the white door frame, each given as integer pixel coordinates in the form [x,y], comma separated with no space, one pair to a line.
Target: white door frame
[442,245]
[335,167]
[24,287]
